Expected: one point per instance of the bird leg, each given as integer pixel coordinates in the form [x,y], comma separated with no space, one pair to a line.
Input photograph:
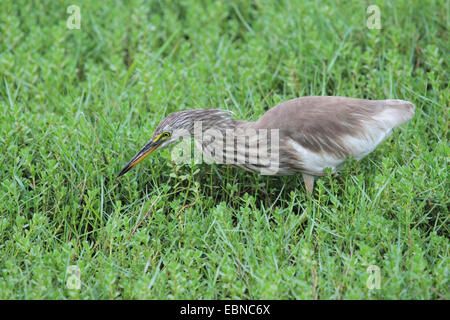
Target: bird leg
[309,183]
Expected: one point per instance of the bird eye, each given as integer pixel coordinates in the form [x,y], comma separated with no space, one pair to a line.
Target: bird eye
[166,134]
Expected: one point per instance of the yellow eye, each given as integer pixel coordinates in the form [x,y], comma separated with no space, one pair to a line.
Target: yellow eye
[166,134]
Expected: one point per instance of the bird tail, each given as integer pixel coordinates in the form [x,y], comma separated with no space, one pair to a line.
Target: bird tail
[396,112]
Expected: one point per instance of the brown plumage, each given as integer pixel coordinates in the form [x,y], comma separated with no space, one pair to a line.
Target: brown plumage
[303,135]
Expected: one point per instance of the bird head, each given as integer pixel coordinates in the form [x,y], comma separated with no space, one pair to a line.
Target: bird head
[176,126]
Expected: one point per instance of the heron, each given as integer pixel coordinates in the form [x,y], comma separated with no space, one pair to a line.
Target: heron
[304,135]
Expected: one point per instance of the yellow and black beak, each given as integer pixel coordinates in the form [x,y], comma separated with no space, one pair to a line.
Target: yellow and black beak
[144,152]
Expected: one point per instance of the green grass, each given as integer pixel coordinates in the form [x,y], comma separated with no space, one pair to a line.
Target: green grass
[75,105]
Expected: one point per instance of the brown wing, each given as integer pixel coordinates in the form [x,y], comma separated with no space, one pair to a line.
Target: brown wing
[327,124]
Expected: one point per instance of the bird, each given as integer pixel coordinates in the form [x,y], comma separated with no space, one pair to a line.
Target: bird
[305,135]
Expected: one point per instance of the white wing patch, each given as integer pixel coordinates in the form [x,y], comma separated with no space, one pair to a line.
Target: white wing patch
[315,162]
[362,146]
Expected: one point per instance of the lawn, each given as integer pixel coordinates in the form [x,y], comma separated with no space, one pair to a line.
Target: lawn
[77,104]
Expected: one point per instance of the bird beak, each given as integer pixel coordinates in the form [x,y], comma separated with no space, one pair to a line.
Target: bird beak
[144,152]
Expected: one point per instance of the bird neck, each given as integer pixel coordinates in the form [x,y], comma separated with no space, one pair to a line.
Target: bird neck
[202,120]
